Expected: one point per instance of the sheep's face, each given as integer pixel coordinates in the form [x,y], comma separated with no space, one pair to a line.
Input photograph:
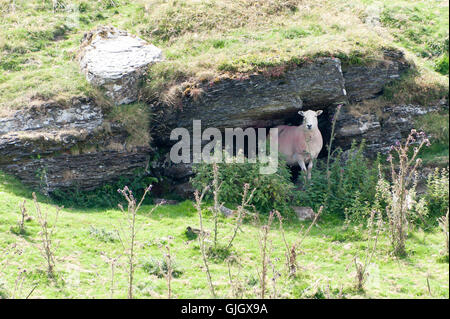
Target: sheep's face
[310,118]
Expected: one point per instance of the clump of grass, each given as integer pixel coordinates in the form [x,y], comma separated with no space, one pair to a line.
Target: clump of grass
[160,267]
[420,86]
[104,235]
[135,119]
[218,252]
[436,124]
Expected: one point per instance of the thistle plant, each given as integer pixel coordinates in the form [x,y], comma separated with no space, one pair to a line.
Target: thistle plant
[399,198]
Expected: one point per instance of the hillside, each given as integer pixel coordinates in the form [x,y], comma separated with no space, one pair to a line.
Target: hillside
[87,242]
[202,40]
[372,75]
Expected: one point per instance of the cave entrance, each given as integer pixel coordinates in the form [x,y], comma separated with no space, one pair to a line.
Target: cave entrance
[294,119]
[325,125]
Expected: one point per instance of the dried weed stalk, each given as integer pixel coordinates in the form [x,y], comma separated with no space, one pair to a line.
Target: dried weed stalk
[264,243]
[129,230]
[165,249]
[47,234]
[443,223]
[361,267]
[201,237]
[291,251]
[402,189]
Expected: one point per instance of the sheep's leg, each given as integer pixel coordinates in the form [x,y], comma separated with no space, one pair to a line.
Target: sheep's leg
[310,166]
[302,165]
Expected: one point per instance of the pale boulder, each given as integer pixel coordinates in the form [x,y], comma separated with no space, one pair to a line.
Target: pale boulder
[116,61]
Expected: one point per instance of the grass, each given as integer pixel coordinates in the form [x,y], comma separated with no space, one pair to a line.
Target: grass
[436,125]
[421,27]
[206,40]
[85,234]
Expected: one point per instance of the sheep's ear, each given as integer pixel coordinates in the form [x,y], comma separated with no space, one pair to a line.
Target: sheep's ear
[319,112]
[301,113]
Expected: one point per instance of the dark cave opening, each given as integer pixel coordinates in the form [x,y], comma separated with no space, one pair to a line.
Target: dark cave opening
[293,119]
[325,125]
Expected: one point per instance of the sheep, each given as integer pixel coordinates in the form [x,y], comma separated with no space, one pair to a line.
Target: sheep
[301,144]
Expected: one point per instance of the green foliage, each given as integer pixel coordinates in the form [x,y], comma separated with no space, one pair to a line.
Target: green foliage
[104,235]
[436,125]
[104,196]
[348,235]
[351,185]
[436,195]
[441,64]
[273,191]
[218,253]
[158,267]
[83,272]
[3,290]
[16,230]
[421,28]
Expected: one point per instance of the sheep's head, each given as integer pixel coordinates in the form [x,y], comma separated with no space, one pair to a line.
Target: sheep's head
[310,118]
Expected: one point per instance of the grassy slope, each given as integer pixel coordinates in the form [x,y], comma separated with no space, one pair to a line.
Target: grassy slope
[37,51]
[204,39]
[328,251]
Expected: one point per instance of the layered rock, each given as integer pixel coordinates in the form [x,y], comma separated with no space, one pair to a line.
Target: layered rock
[380,131]
[60,147]
[367,81]
[257,100]
[55,147]
[263,101]
[116,61]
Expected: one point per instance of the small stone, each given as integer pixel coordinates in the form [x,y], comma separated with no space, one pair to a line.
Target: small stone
[304,213]
[226,211]
[163,201]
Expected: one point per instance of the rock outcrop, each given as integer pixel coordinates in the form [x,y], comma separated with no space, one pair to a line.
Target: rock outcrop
[367,81]
[54,147]
[257,100]
[264,101]
[116,61]
[380,131]
[59,147]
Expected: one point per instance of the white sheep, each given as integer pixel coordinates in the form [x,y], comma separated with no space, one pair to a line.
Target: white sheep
[301,144]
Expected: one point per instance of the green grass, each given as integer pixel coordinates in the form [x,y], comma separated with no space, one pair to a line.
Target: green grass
[421,27]
[327,253]
[209,39]
[205,41]
[436,126]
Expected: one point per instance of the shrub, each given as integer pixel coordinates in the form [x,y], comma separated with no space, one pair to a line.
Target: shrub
[402,207]
[159,267]
[105,196]
[104,235]
[436,195]
[273,191]
[351,184]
